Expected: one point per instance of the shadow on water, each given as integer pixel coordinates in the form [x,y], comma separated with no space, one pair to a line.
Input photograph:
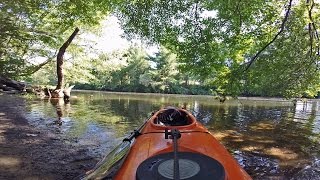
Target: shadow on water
[271,142]
[271,139]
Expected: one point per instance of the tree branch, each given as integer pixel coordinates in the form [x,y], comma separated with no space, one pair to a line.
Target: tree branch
[38,67]
[310,38]
[274,38]
[310,26]
[314,32]
[240,16]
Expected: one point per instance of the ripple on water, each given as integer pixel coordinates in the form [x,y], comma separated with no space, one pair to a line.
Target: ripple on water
[262,166]
[311,171]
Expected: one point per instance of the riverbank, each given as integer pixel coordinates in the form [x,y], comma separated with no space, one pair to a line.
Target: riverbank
[189,95]
[254,98]
[28,152]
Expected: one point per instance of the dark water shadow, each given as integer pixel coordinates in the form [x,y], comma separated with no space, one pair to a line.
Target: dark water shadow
[271,144]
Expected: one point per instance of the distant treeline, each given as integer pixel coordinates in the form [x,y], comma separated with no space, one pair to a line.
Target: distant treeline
[133,70]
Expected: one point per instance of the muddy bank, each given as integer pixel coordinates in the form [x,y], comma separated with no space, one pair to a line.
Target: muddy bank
[28,152]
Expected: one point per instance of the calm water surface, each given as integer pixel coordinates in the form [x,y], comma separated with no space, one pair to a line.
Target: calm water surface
[270,138]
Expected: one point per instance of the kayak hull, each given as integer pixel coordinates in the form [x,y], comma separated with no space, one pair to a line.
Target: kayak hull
[195,138]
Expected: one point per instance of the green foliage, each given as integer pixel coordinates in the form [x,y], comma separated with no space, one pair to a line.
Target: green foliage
[286,72]
[219,46]
[128,70]
[37,28]
[206,46]
[165,73]
[45,76]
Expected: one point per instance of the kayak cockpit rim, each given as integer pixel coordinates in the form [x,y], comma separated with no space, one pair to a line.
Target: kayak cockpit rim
[190,121]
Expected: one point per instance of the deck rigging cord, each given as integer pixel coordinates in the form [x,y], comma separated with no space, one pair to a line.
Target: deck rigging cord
[174,134]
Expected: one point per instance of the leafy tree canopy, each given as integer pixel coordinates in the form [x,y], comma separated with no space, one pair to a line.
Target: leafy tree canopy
[267,47]
[36,28]
[255,47]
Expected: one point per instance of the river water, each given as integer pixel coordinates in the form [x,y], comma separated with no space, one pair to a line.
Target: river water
[270,138]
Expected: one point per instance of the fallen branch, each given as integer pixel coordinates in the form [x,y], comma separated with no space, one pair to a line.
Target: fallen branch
[8,84]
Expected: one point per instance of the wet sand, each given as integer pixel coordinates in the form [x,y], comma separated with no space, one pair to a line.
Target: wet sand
[28,152]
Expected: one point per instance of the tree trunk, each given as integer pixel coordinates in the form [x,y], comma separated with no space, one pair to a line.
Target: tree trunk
[61,52]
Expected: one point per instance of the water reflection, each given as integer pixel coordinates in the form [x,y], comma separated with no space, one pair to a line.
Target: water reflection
[62,108]
[269,138]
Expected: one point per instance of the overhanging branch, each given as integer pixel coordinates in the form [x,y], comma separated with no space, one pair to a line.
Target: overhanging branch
[38,67]
[313,32]
[285,19]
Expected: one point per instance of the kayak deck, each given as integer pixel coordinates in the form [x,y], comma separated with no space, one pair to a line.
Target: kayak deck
[195,138]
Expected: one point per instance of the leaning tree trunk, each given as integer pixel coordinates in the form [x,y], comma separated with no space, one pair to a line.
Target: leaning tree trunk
[58,92]
[61,52]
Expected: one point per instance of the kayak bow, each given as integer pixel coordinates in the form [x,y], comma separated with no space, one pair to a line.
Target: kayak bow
[172,144]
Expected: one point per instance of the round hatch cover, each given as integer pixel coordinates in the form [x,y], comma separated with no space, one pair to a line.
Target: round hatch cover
[192,166]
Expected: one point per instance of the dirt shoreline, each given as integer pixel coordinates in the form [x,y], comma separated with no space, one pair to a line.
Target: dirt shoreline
[28,152]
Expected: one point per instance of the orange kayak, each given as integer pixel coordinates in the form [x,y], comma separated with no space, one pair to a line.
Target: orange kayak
[171,144]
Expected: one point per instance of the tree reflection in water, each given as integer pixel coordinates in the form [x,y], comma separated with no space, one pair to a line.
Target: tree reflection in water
[62,108]
[270,138]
